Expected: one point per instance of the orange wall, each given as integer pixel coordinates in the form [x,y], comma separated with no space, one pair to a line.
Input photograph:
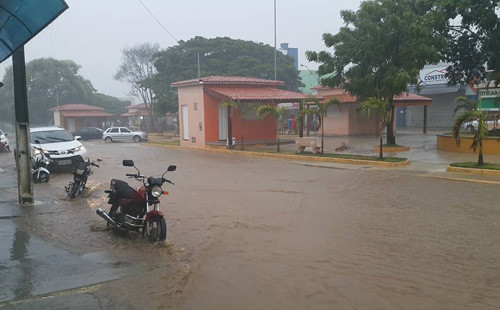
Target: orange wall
[448,143]
[252,130]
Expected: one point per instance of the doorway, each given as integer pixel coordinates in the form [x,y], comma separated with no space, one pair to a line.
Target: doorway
[223,123]
[185,123]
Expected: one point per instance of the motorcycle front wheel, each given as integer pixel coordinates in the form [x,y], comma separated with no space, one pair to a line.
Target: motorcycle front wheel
[157,229]
[44,177]
[73,189]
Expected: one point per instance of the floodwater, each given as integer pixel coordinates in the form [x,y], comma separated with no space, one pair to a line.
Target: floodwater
[256,233]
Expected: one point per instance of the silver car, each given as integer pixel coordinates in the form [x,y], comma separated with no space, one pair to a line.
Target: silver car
[123,134]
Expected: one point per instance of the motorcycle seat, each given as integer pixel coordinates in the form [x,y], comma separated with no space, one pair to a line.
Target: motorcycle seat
[122,189]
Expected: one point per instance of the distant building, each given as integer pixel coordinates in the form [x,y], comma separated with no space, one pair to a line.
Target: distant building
[292,52]
[433,84]
[77,116]
[204,123]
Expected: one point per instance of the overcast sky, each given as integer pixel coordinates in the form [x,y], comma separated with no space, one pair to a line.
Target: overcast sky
[93,32]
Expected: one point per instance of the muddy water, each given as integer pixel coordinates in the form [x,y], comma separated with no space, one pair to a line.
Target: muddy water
[269,234]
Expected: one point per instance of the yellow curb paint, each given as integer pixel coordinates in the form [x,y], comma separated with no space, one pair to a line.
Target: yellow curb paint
[387,149]
[473,171]
[293,157]
[458,179]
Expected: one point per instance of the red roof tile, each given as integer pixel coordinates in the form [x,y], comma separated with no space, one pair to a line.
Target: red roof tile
[404,99]
[254,94]
[86,113]
[77,107]
[227,80]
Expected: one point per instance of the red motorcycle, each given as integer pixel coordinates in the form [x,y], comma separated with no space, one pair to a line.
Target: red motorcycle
[137,210]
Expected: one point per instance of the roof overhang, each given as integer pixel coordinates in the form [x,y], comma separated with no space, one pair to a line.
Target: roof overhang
[255,94]
[21,20]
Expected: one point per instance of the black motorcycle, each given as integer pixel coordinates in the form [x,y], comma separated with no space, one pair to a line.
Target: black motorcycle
[81,173]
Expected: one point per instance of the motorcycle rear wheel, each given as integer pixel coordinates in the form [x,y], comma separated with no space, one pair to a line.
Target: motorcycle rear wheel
[157,229]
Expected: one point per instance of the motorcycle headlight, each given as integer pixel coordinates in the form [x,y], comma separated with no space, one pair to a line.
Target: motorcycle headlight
[156,191]
[37,151]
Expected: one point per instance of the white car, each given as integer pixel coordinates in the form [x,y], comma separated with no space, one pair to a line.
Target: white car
[123,134]
[63,148]
[471,127]
[4,140]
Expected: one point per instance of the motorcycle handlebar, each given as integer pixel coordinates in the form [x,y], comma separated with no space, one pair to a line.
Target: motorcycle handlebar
[95,165]
[131,175]
[168,181]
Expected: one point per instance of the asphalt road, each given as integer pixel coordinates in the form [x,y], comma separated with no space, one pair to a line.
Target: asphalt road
[256,233]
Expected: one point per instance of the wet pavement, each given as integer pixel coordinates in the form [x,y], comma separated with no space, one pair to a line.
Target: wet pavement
[251,233]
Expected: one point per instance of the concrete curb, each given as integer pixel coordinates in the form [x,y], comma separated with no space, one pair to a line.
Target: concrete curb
[473,171]
[459,179]
[388,149]
[292,157]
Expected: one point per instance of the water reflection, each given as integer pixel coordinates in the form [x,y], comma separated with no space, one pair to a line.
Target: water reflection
[19,252]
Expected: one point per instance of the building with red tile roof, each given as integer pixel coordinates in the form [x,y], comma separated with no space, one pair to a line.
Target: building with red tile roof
[75,116]
[203,122]
[344,119]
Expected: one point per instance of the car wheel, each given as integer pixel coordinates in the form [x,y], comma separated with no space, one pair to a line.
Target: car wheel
[137,139]
[470,129]
[108,139]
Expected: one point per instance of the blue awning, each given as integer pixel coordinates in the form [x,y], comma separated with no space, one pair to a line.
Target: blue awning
[21,20]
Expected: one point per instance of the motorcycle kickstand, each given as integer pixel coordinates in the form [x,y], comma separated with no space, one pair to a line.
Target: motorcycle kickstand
[143,230]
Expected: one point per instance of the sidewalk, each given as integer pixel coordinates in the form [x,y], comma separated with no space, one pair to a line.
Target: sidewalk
[31,268]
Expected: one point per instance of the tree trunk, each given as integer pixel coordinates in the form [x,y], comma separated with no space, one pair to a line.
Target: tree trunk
[381,151]
[301,128]
[322,133]
[480,159]
[278,137]
[391,138]
[229,145]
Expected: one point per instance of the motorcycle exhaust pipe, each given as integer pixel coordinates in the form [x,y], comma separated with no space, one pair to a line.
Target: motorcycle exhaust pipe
[105,216]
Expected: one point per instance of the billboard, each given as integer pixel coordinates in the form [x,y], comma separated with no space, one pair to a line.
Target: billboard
[433,76]
[489,99]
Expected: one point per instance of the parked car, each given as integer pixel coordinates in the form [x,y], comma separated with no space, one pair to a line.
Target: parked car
[4,142]
[123,134]
[470,127]
[63,148]
[89,133]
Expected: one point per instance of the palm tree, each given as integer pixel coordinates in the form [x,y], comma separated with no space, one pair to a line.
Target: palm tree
[243,107]
[274,112]
[320,112]
[471,113]
[381,108]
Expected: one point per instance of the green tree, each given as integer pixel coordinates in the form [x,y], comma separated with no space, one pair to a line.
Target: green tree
[243,108]
[109,103]
[137,70]
[473,38]
[50,83]
[381,108]
[274,112]
[381,49]
[320,111]
[471,112]
[218,57]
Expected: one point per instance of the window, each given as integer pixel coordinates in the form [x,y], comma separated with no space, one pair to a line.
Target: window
[114,130]
[333,111]
[124,130]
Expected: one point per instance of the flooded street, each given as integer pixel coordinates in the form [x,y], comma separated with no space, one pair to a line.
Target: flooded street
[257,233]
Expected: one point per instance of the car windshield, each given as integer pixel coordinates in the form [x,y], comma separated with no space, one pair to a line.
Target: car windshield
[51,136]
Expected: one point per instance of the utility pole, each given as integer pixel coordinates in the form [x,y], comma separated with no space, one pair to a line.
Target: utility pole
[275,46]
[23,152]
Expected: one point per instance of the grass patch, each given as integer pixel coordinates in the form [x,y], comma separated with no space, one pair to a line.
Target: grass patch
[488,166]
[172,142]
[344,156]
